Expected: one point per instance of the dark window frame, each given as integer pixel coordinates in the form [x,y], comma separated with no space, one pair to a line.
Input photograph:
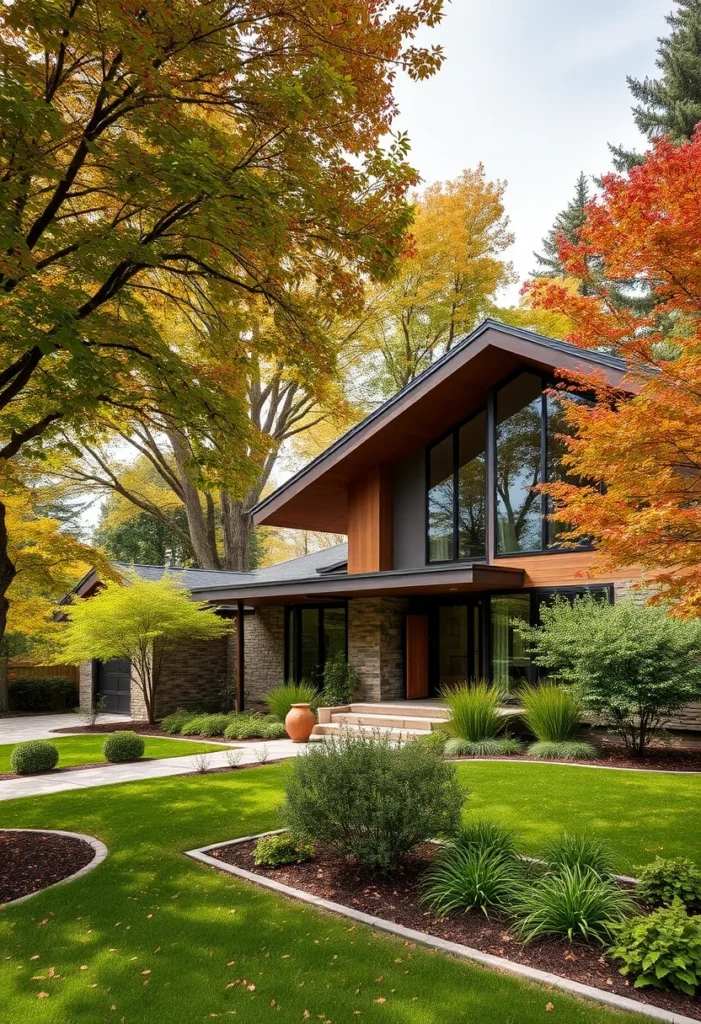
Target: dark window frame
[292,672]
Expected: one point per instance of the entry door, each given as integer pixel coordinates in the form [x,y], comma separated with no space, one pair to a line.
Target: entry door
[458,648]
[114,684]
[416,656]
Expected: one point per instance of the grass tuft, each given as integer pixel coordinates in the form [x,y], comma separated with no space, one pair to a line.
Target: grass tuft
[457,747]
[566,750]
[551,712]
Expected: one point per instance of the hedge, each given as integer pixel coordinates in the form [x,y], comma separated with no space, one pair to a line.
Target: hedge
[42,693]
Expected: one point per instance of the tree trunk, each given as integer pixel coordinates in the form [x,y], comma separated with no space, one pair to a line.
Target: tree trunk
[7,571]
[236,524]
[4,678]
[200,525]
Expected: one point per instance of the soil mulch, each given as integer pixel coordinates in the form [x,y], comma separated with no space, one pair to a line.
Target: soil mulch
[396,898]
[30,861]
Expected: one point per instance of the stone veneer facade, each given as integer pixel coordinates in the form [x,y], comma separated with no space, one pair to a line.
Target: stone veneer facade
[376,646]
[264,654]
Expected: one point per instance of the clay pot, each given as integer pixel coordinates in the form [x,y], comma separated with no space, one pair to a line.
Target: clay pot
[299,722]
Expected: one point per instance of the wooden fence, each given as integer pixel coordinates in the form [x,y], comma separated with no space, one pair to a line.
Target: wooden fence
[20,670]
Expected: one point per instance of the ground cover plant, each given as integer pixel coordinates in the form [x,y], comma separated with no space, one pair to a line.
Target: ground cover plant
[668,879]
[272,851]
[148,908]
[553,714]
[281,699]
[233,725]
[78,750]
[572,901]
[662,949]
[475,721]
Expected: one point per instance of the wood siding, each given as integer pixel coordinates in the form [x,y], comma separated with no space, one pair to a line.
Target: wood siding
[370,522]
[567,569]
[416,656]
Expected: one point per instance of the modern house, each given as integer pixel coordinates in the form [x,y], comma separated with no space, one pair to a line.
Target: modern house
[448,542]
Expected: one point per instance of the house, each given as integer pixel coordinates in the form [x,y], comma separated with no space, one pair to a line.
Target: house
[447,542]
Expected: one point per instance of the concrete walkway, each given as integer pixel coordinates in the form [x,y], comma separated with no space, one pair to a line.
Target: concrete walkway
[42,785]
[40,727]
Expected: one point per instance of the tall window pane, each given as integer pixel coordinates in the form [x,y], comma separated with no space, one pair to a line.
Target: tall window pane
[292,627]
[440,501]
[453,645]
[510,662]
[519,407]
[309,644]
[558,429]
[472,482]
[334,642]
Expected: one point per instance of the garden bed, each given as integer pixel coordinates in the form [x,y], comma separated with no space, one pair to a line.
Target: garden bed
[31,861]
[395,899]
[659,759]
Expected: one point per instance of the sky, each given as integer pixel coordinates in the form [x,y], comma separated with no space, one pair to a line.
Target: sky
[534,90]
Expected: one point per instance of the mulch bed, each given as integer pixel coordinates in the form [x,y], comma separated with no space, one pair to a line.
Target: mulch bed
[396,898]
[30,861]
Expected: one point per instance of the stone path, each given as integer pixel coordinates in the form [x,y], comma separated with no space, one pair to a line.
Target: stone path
[40,727]
[38,785]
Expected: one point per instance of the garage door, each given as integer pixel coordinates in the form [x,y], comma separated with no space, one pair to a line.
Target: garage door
[114,685]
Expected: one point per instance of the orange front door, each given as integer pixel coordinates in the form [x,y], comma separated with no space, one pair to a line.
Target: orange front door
[416,656]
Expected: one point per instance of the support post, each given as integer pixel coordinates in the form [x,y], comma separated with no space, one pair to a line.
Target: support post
[239,657]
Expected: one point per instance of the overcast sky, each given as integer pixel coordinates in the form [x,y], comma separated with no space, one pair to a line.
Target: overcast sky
[533,89]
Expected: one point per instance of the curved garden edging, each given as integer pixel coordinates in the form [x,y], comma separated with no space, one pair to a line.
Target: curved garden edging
[575,764]
[523,971]
[98,846]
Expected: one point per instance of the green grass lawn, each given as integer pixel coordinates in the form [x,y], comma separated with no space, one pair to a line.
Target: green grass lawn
[199,933]
[74,750]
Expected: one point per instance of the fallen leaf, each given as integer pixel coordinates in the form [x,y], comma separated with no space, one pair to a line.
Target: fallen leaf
[83,967]
[381,999]
[549,1007]
[35,957]
[42,995]
[145,972]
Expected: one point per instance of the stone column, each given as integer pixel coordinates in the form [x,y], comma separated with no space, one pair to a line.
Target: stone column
[376,631]
[264,654]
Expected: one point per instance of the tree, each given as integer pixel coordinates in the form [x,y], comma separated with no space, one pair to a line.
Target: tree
[634,666]
[199,154]
[446,278]
[142,621]
[143,540]
[567,225]
[638,457]
[671,104]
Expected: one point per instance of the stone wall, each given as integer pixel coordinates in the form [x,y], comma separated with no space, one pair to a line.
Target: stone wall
[376,646]
[195,675]
[264,654]
[85,683]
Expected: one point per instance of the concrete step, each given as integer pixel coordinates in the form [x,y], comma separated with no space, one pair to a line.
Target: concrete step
[337,728]
[402,709]
[386,721]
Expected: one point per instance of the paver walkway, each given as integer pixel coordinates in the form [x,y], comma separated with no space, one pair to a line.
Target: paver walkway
[86,778]
[40,727]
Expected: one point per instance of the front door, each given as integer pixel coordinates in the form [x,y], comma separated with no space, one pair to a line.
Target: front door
[417,662]
[114,685]
[458,647]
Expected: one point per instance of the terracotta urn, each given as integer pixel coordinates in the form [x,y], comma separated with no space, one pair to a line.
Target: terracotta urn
[299,722]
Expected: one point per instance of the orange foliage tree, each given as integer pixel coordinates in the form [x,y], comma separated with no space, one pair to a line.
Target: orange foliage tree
[634,461]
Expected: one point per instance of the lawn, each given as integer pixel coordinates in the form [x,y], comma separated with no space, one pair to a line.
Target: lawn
[75,750]
[163,939]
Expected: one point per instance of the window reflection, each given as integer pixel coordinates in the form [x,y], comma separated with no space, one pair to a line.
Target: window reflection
[440,501]
[519,412]
[472,479]
[511,664]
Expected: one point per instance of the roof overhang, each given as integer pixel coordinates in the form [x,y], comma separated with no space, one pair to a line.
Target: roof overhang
[448,392]
[394,583]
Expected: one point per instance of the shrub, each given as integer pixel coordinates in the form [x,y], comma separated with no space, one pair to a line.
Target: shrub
[90,709]
[370,798]
[194,726]
[634,665]
[462,877]
[487,835]
[206,725]
[505,747]
[274,851]
[173,724]
[247,727]
[34,756]
[551,712]
[281,699]
[662,949]
[664,880]
[42,693]
[340,682]
[565,750]
[123,746]
[574,902]
[474,711]
[572,850]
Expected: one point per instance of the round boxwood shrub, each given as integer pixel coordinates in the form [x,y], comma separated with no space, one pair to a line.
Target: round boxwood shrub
[123,746]
[34,756]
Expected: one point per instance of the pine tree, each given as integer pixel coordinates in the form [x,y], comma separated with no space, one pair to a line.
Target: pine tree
[671,104]
[567,224]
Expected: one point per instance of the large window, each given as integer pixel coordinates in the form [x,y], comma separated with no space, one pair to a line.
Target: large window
[457,494]
[511,663]
[518,469]
[314,635]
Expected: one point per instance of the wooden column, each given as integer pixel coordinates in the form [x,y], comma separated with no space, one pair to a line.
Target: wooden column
[371,522]
[416,656]
[239,657]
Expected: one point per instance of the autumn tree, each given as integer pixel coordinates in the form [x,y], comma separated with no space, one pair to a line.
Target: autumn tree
[201,153]
[446,281]
[638,456]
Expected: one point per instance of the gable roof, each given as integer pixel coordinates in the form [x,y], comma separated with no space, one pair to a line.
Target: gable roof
[444,394]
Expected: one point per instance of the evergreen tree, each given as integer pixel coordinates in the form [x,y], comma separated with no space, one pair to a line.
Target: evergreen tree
[567,223]
[671,104]
[144,540]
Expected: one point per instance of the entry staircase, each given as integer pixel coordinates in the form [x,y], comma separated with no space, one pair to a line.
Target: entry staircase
[401,721]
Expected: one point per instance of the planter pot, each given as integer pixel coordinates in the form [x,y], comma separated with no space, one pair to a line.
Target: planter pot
[299,722]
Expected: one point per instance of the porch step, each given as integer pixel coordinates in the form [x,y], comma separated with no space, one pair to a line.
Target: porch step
[386,721]
[336,728]
[400,720]
[403,709]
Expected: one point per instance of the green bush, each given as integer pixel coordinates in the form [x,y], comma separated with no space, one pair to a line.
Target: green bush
[634,665]
[34,756]
[245,726]
[486,835]
[462,877]
[505,747]
[571,850]
[340,682]
[662,949]
[551,712]
[123,746]
[664,880]
[564,750]
[370,798]
[173,724]
[475,711]
[574,902]
[206,725]
[274,851]
[281,699]
[42,693]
